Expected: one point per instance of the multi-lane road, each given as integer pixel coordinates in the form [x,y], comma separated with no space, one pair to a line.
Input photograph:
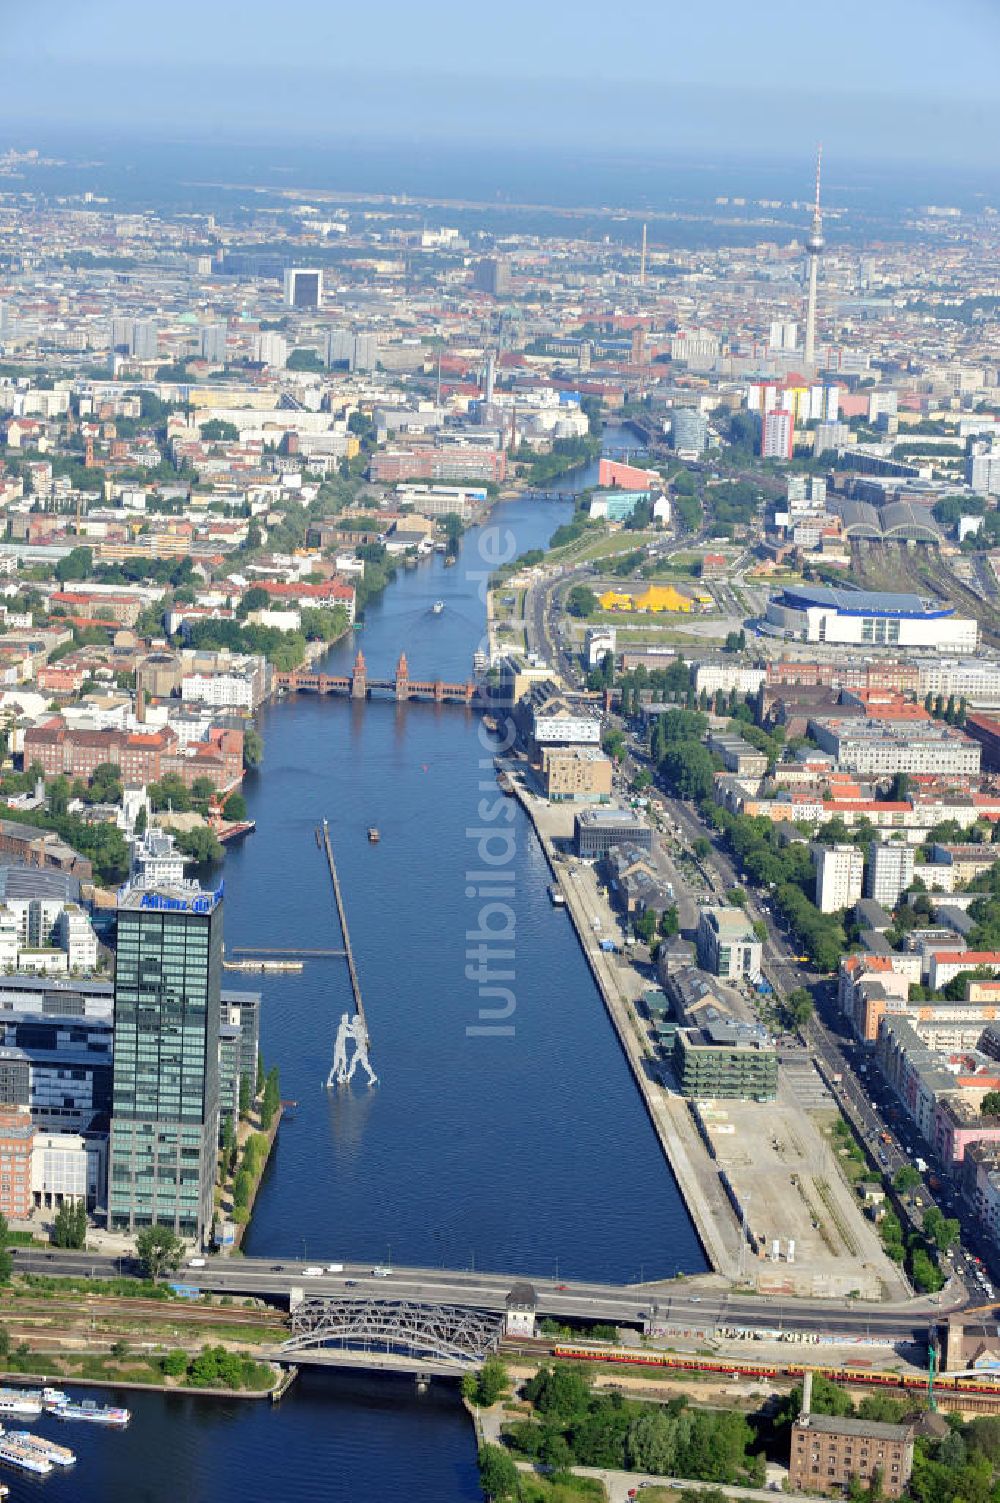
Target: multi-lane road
[679,1307]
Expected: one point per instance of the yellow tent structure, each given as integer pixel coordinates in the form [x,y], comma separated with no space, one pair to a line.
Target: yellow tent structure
[615,600]
[662,598]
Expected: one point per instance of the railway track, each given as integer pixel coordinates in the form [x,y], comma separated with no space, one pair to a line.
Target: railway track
[169,1311]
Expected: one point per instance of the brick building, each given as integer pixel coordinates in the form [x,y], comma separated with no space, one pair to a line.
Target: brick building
[17,1137]
[143,756]
[828,1452]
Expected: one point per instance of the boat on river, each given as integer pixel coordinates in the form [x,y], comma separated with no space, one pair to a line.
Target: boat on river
[437,607]
[26,1402]
[373,834]
[39,1446]
[93,1414]
[23,1457]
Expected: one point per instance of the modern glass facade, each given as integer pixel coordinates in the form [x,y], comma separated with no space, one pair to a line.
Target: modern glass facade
[165,1108]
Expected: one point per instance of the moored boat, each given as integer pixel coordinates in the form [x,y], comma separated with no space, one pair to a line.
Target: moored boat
[557,895]
[93,1414]
[26,1402]
[22,1457]
[49,1449]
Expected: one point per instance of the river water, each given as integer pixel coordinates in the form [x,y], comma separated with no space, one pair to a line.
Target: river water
[528,1152]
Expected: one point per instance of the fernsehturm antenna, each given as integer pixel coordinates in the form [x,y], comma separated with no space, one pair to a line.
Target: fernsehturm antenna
[814,248]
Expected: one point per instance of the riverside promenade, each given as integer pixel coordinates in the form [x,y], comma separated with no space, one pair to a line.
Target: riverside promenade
[696,1175]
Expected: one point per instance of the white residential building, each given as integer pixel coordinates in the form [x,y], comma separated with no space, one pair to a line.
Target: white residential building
[839,876]
[890,871]
[75,935]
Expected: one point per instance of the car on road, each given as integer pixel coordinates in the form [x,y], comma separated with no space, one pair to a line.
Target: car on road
[313,1272]
[380,1272]
[277,1267]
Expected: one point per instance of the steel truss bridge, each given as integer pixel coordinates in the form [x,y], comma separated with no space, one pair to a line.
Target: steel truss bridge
[440,1338]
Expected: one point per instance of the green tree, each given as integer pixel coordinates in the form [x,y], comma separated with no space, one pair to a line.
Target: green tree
[141,821]
[651,1443]
[246,1095]
[581,601]
[270,1098]
[217,430]
[200,844]
[69,1229]
[688,770]
[255,599]
[77,565]
[669,923]
[990,1104]
[498,1474]
[907,1178]
[105,784]
[798,1007]
[174,1364]
[57,794]
[158,1251]
[253,747]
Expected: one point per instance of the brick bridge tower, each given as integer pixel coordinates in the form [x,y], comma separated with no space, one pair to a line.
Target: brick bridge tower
[402,678]
[359,677]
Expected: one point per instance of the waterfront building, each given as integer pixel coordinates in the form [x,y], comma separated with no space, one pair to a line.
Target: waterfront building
[839,876]
[727,944]
[576,774]
[165,1107]
[596,830]
[726,1059]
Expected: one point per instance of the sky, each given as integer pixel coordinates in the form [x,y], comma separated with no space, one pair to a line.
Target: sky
[874,79]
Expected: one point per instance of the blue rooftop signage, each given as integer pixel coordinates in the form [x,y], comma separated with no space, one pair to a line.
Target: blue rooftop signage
[204,902]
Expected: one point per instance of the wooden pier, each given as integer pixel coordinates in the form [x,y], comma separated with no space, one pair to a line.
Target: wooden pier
[359,1005]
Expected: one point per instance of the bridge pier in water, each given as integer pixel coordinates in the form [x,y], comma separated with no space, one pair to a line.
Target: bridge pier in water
[358,686]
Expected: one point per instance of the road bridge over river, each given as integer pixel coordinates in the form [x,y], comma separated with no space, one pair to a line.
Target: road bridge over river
[695,1304]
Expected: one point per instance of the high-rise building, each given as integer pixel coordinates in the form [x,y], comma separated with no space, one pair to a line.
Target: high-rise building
[890,871]
[784,335]
[982,469]
[212,343]
[839,873]
[359,352]
[492,275]
[144,344]
[303,287]
[165,1094]
[777,434]
[270,349]
[814,249]
[689,430]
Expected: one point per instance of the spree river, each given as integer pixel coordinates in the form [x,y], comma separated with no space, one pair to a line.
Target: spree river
[529,1152]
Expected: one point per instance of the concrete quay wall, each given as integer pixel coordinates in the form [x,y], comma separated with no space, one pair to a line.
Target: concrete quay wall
[678,1136]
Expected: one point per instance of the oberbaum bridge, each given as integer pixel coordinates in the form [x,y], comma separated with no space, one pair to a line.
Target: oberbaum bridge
[358,685]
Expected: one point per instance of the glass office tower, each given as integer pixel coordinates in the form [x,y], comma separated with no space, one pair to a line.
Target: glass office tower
[165,1101]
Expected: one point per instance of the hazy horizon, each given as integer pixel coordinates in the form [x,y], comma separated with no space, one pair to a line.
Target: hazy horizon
[891,82]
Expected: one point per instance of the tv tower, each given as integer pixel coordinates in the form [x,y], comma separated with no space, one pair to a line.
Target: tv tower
[814,249]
